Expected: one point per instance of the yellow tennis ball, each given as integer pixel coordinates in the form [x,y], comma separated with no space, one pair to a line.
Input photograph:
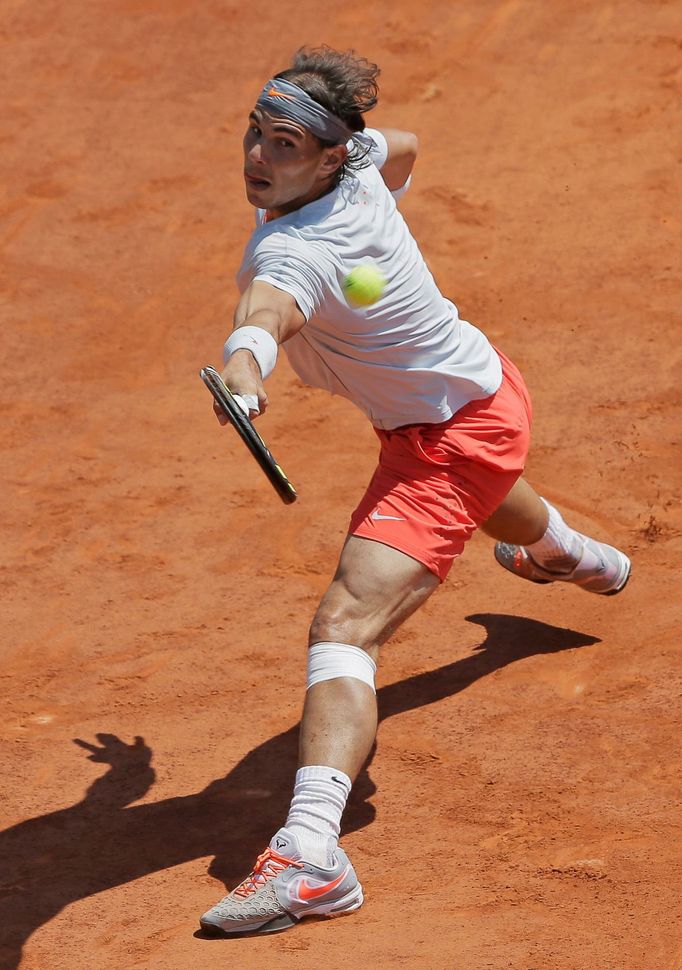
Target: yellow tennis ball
[364,285]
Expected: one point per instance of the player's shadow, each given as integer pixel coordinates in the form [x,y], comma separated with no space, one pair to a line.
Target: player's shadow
[56,859]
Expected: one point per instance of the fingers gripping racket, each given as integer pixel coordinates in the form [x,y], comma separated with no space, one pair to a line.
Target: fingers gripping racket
[246,431]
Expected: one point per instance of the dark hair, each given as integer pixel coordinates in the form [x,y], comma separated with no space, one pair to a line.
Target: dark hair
[343,83]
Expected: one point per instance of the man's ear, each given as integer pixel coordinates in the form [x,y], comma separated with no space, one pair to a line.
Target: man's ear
[334,158]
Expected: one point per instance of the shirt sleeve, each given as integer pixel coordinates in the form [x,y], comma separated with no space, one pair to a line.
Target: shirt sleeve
[378,152]
[372,139]
[288,264]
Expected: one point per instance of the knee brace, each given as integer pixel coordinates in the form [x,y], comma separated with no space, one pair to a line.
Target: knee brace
[326,661]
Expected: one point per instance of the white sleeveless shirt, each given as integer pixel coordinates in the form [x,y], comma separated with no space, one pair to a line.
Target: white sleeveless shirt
[408,358]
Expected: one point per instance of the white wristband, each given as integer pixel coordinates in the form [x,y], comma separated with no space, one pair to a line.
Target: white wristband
[262,345]
[397,193]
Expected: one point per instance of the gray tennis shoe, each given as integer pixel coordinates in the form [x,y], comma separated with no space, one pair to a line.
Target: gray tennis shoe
[595,567]
[282,889]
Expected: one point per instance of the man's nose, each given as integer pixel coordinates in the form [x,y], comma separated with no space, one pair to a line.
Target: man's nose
[256,153]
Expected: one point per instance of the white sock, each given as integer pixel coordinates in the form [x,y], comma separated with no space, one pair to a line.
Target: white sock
[559,548]
[320,795]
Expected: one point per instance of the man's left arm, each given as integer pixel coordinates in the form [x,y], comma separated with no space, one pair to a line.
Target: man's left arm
[402,154]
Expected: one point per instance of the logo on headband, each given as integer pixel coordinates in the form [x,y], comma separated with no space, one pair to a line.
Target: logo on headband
[274,93]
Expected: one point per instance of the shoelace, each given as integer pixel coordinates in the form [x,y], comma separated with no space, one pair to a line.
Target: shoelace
[268,864]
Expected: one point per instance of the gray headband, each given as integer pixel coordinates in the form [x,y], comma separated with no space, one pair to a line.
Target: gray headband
[280,97]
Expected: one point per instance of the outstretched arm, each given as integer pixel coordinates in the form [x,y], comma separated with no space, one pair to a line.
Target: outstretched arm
[274,311]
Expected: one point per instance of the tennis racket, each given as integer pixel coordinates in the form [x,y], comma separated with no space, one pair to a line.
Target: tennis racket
[246,431]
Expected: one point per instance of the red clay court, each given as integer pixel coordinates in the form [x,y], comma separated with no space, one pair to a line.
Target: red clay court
[523,806]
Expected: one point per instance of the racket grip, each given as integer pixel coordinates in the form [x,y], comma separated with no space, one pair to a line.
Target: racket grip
[247,402]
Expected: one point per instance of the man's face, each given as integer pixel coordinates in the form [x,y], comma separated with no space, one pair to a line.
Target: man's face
[284,164]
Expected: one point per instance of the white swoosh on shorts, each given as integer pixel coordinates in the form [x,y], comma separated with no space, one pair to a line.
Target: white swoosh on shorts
[378,517]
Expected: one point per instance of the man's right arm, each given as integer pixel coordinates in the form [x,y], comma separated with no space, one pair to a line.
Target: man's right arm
[269,309]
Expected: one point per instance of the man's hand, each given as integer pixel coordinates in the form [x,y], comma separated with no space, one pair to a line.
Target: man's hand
[242,376]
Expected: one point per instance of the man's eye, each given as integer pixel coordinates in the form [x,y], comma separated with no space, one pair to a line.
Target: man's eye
[286,143]
[254,129]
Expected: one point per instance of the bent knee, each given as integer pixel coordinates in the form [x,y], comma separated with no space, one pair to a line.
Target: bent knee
[337,624]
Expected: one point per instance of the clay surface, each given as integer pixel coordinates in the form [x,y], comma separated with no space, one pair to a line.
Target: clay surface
[523,806]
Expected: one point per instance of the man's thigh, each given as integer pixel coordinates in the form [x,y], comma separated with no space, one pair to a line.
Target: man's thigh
[375,588]
[435,484]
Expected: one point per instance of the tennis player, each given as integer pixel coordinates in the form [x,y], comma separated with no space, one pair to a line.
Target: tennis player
[452,414]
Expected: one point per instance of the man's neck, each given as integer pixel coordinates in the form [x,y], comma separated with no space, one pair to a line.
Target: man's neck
[296,204]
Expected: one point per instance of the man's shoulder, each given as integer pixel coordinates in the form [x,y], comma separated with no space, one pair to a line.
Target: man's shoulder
[367,177]
[277,236]
[285,248]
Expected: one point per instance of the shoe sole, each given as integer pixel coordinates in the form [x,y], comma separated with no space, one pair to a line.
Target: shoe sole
[287,922]
[276,925]
[623,582]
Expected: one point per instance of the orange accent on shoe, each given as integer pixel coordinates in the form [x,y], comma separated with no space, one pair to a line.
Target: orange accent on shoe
[268,864]
[307,892]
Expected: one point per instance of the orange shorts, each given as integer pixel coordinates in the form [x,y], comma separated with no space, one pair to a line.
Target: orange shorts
[436,483]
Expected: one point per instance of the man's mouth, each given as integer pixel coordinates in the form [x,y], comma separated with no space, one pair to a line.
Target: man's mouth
[255,181]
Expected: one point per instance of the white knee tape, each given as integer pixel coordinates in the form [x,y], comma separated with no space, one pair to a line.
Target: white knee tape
[326,661]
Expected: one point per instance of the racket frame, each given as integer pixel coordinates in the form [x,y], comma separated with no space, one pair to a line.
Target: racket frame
[246,431]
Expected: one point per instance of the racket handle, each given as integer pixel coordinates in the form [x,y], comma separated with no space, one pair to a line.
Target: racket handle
[247,402]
